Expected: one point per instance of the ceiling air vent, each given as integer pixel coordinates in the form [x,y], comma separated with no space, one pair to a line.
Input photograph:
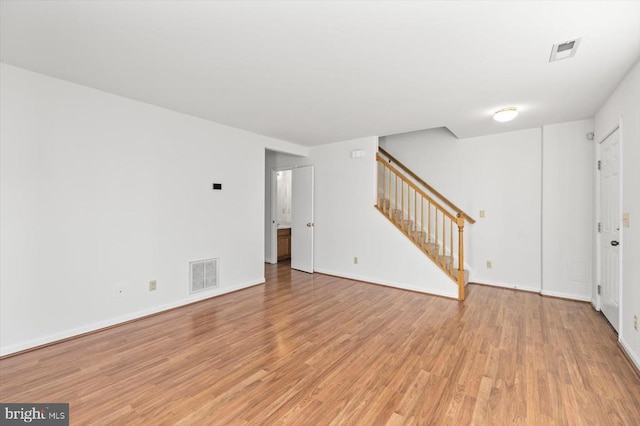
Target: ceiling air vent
[564,50]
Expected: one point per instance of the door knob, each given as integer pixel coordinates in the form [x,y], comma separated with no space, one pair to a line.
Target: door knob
[614,243]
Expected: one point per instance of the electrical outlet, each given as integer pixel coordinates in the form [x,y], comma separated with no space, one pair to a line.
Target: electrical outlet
[481,213]
[355,260]
[489,264]
[635,322]
[152,285]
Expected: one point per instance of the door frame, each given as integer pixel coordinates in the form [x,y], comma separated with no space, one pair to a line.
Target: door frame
[598,216]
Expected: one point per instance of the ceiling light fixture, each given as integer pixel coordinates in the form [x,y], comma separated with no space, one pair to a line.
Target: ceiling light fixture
[505,114]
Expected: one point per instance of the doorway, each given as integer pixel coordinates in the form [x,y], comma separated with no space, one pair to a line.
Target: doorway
[609,237]
[290,216]
[283,214]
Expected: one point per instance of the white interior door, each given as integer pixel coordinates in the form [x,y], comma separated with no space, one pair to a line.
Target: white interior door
[610,228]
[302,219]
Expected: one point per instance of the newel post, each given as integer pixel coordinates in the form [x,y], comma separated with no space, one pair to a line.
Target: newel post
[460,223]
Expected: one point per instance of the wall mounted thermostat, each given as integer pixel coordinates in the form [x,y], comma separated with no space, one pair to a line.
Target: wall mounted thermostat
[217,186]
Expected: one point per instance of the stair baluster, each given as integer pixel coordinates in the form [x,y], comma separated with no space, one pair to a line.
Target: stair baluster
[439,245]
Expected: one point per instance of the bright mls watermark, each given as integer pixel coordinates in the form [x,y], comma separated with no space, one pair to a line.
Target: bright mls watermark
[34,414]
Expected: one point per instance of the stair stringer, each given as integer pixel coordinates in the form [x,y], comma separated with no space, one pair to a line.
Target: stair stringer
[417,225]
[418,273]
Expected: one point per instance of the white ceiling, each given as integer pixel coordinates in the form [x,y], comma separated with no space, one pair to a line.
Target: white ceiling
[319,72]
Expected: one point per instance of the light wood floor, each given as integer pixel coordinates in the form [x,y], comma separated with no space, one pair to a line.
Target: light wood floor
[314,349]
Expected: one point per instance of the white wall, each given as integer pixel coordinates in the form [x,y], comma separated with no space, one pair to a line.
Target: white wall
[269,160]
[624,105]
[347,225]
[98,192]
[568,171]
[499,174]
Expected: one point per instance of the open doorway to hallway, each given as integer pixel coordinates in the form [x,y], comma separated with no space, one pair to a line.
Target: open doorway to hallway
[283,214]
[289,207]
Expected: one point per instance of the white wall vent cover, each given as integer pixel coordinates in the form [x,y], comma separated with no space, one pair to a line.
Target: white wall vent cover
[203,275]
[564,50]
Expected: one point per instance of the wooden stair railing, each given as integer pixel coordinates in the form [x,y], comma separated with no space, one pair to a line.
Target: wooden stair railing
[423,219]
[429,188]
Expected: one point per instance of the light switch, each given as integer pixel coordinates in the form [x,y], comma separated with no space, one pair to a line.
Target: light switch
[481,213]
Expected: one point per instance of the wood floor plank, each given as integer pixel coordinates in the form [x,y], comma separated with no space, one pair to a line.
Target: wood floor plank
[314,349]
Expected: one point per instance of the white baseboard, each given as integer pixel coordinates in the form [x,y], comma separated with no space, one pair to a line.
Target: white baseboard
[635,358]
[52,338]
[561,295]
[566,296]
[511,286]
[452,295]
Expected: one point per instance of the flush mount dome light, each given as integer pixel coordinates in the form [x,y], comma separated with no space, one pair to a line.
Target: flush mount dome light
[505,114]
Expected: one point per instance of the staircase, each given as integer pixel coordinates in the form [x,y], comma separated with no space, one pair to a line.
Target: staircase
[432,222]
